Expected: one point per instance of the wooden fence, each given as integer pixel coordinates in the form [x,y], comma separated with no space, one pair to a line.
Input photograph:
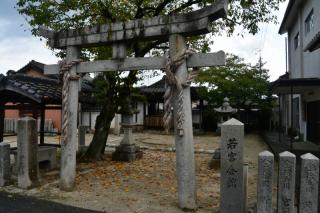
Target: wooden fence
[10,126]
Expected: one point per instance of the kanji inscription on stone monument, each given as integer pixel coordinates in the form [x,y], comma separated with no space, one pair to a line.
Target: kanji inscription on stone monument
[232,184]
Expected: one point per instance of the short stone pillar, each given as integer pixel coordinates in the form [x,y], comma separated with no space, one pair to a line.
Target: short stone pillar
[27,139]
[116,128]
[82,136]
[232,181]
[309,184]
[127,150]
[265,182]
[215,160]
[5,170]
[286,188]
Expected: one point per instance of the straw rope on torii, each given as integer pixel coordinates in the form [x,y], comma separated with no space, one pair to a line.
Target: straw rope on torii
[174,88]
[66,77]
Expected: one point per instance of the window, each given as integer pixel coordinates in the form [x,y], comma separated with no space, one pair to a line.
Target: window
[309,24]
[296,41]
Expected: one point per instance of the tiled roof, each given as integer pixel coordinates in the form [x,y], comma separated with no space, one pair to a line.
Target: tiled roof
[158,87]
[40,90]
[32,65]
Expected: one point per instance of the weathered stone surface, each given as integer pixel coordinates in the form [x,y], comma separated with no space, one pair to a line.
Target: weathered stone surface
[127,153]
[69,147]
[127,150]
[265,182]
[48,154]
[215,160]
[27,139]
[116,128]
[232,181]
[286,188]
[138,63]
[185,163]
[245,186]
[309,184]
[5,170]
[189,24]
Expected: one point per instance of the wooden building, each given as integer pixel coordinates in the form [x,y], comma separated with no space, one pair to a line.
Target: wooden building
[27,92]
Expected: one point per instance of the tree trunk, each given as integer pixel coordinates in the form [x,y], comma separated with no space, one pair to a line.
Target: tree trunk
[96,148]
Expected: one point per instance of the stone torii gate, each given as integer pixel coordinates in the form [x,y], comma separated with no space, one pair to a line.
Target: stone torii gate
[174,28]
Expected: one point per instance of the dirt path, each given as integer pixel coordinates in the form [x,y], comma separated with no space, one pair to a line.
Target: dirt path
[147,185]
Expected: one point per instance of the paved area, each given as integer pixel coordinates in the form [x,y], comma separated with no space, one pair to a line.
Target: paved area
[280,143]
[21,204]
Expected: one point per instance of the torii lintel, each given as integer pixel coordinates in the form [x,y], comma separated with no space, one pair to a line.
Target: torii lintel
[188,24]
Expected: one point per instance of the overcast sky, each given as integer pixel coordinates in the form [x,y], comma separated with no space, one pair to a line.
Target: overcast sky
[18,46]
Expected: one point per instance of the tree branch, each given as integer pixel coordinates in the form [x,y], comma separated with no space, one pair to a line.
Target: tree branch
[161,6]
[184,6]
[139,13]
[149,46]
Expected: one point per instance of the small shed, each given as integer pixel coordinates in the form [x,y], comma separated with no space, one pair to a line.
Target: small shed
[30,95]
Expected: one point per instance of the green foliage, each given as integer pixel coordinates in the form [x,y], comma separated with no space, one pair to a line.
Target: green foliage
[242,83]
[60,15]
[113,86]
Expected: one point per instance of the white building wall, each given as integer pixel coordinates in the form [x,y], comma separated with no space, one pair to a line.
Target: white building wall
[311,62]
[294,53]
[303,64]
[140,114]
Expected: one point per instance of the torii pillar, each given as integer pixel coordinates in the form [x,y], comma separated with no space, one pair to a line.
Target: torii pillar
[185,168]
[69,146]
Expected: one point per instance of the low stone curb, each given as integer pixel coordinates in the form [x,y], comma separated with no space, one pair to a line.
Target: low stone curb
[199,151]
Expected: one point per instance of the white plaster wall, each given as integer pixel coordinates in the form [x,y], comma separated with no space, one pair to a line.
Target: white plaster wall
[113,121]
[85,119]
[139,115]
[294,54]
[311,62]
[94,116]
[196,116]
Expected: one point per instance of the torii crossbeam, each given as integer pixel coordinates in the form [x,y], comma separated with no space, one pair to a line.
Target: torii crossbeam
[172,28]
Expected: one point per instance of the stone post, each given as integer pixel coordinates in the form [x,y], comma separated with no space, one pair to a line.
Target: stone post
[27,139]
[82,136]
[2,115]
[116,128]
[286,188]
[245,186]
[231,180]
[185,163]
[5,170]
[265,182]
[309,184]
[69,146]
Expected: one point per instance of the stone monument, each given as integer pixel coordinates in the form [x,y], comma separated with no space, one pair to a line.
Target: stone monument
[5,170]
[127,150]
[27,139]
[232,189]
